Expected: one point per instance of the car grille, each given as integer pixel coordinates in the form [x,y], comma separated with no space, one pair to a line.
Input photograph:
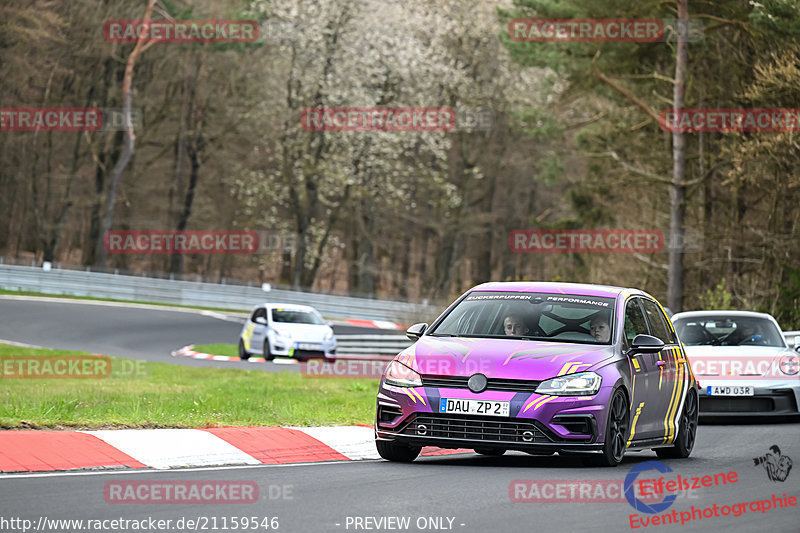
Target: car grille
[475,429]
[308,353]
[494,384]
[736,405]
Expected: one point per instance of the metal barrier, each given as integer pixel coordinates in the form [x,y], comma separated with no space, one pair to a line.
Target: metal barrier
[371,346]
[235,297]
[791,337]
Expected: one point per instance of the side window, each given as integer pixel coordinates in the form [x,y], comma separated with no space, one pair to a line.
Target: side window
[635,323]
[655,318]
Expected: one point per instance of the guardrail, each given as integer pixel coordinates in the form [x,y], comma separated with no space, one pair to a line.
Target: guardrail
[236,297]
[371,346]
[790,337]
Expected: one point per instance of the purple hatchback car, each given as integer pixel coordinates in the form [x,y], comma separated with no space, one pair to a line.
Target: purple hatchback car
[541,368]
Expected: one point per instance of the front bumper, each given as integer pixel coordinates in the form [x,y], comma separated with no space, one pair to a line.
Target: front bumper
[771,398]
[287,347]
[538,423]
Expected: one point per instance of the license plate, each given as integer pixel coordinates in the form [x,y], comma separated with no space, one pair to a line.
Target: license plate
[719,390]
[474,407]
[308,346]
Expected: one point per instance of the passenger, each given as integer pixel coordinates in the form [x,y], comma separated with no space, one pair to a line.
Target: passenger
[514,325]
[599,328]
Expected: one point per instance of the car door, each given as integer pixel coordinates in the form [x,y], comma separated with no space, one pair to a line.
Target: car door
[645,421]
[669,384]
[259,330]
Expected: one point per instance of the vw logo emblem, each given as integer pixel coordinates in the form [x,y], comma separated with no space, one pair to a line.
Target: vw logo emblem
[477,383]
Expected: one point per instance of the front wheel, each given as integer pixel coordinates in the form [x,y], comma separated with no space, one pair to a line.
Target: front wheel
[616,433]
[243,355]
[268,356]
[397,452]
[687,431]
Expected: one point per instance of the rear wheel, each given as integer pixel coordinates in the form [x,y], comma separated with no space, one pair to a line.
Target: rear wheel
[397,452]
[616,433]
[687,431]
[243,355]
[489,451]
[267,351]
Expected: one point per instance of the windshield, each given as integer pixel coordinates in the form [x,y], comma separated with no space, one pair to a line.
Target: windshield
[535,316]
[720,330]
[296,317]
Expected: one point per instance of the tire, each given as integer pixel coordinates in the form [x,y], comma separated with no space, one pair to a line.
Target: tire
[614,444]
[267,351]
[687,431]
[397,452]
[243,355]
[489,451]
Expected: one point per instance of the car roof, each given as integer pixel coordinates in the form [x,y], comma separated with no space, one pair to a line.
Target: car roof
[581,289]
[292,307]
[723,313]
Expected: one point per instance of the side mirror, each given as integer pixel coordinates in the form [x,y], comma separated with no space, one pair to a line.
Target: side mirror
[797,343]
[416,331]
[645,344]
[261,320]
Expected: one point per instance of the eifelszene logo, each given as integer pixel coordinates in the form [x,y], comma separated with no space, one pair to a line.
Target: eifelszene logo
[777,466]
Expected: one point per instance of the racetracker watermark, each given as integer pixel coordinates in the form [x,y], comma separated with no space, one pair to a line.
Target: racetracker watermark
[602,30]
[580,490]
[181,31]
[531,241]
[317,368]
[69,367]
[766,120]
[378,119]
[180,492]
[735,366]
[180,242]
[67,119]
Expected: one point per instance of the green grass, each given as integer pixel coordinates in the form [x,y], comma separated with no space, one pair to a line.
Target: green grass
[217,349]
[71,297]
[166,395]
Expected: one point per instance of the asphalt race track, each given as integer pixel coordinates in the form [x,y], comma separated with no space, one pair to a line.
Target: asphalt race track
[464,493]
[144,333]
[472,490]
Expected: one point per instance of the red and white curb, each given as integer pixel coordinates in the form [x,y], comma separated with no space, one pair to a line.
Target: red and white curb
[189,351]
[380,324]
[37,451]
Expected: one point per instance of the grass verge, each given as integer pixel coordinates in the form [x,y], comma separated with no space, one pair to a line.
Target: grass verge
[145,395]
[217,349]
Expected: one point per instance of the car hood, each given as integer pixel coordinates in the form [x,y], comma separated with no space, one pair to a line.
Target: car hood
[501,358]
[736,361]
[304,332]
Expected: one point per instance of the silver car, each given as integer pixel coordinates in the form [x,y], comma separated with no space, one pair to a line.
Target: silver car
[741,363]
[286,330]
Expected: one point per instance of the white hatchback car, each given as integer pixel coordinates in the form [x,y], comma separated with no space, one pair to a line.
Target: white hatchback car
[286,330]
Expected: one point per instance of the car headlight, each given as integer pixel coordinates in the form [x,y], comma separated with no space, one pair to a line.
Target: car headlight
[789,364]
[329,336]
[580,384]
[400,375]
[282,333]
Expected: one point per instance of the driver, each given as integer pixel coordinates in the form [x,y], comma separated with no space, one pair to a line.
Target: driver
[514,325]
[745,333]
